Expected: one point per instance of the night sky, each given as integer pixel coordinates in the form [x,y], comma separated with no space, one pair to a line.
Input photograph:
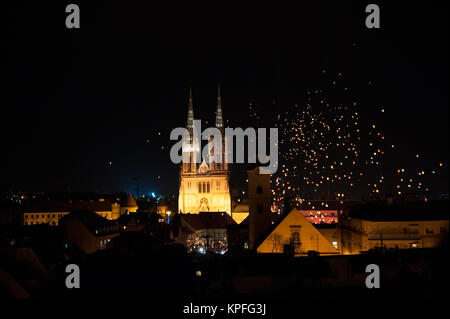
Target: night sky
[74,100]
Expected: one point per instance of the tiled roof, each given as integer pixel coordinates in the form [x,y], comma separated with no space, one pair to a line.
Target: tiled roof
[93,222]
[66,206]
[129,201]
[420,211]
[208,220]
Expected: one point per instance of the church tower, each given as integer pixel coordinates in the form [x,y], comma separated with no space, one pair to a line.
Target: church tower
[190,147]
[260,201]
[203,187]
[222,166]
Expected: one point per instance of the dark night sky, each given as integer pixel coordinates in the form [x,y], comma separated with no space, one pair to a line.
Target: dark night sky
[73,100]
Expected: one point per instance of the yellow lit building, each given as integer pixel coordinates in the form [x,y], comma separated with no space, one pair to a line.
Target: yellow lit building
[240,211]
[203,187]
[295,233]
[50,212]
[366,234]
[397,226]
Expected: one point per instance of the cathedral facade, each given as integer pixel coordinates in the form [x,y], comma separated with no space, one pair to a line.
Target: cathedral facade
[204,187]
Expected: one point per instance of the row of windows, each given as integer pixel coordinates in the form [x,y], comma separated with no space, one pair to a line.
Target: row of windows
[35,216]
[103,243]
[44,215]
[41,223]
[204,187]
[441,230]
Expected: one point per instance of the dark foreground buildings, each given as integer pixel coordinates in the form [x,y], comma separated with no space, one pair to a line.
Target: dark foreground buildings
[142,255]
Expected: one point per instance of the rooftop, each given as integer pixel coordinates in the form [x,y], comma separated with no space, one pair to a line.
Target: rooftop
[419,211]
[208,220]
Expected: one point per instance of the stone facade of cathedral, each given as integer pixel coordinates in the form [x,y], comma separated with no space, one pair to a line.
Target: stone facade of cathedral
[204,187]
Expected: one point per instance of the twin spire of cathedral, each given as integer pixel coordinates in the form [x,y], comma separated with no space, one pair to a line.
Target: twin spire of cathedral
[219,116]
[190,118]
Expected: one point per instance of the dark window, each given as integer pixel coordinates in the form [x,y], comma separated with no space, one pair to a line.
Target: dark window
[259,190]
[259,208]
[295,237]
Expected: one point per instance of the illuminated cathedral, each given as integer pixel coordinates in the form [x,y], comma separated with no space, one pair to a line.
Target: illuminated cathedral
[204,187]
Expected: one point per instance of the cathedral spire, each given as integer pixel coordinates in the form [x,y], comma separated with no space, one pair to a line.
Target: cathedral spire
[190,117]
[219,118]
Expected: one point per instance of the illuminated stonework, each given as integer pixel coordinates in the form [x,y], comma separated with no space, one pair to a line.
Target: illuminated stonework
[207,192]
[203,187]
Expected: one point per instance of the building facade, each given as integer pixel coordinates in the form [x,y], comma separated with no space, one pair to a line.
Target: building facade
[206,231]
[51,211]
[260,202]
[296,233]
[204,187]
[89,231]
[362,235]
[394,226]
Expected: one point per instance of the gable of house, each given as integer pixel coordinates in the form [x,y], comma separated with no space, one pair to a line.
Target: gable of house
[295,230]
